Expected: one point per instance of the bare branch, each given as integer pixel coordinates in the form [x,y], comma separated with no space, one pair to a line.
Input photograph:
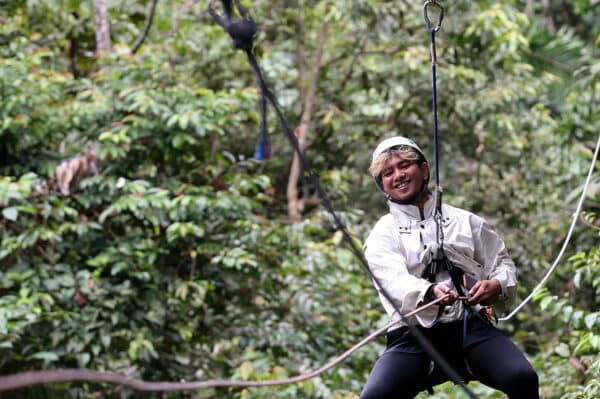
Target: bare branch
[102,26]
[529,8]
[144,34]
[295,205]
[300,58]
[73,47]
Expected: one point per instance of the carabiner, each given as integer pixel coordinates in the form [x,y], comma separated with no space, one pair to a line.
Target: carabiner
[428,4]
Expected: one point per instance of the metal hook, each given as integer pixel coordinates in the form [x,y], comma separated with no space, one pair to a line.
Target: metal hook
[426,7]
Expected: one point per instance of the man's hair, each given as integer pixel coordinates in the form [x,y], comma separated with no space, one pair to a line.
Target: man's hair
[401,151]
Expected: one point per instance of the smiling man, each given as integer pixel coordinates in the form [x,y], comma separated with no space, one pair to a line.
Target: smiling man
[401,171]
[400,249]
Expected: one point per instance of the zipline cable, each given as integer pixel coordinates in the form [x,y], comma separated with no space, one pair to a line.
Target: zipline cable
[539,286]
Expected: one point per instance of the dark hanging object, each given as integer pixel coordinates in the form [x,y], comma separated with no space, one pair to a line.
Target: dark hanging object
[242,33]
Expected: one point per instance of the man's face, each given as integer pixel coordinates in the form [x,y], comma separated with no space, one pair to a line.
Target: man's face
[402,179]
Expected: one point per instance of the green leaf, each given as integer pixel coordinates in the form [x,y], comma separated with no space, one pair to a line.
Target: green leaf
[546,301]
[47,356]
[246,370]
[590,320]
[562,350]
[11,213]
[83,359]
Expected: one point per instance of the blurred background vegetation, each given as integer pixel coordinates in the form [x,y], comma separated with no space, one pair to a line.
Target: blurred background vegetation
[139,235]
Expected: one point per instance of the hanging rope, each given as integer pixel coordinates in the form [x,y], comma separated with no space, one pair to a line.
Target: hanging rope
[541,284]
[440,261]
[22,380]
[242,31]
[432,270]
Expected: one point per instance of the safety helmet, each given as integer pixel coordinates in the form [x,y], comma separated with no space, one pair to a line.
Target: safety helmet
[394,142]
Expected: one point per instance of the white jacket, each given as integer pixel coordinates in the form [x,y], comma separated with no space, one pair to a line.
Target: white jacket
[402,243]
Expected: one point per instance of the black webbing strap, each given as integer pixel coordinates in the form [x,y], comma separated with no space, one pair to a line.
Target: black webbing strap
[440,261]
[243,33]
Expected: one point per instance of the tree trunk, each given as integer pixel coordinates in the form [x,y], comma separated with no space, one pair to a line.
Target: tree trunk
[102,26]
[529,8]
[295,203]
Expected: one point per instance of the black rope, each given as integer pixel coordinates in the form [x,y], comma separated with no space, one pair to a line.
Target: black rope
[242,32]
[239,32]
[432,29]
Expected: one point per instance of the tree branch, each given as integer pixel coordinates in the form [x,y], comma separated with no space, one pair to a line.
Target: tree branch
[144,34]
[300,60]
[295,205]
[102,27]
[73,47]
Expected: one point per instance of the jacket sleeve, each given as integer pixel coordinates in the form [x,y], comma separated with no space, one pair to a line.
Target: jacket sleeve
[491,252]
[390,273]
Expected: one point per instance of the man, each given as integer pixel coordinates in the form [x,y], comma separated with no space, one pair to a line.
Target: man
[400,250]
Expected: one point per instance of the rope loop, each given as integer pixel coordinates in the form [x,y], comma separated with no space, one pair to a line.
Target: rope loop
[242,31]
[426,8]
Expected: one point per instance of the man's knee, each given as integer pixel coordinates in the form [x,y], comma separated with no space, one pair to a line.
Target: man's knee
[376,392]
[526,376]
[521,382]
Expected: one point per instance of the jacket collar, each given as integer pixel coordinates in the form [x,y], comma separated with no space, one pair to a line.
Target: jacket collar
[412,211]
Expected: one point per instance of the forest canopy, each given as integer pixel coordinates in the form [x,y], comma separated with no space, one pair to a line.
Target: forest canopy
[140,235]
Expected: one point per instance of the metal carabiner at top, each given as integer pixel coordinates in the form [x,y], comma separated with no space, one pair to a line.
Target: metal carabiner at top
[429,4]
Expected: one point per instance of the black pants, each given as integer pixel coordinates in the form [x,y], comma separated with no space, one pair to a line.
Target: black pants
[404,369]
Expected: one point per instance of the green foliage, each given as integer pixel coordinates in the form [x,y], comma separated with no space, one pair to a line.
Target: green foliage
[577,322]
[164,256]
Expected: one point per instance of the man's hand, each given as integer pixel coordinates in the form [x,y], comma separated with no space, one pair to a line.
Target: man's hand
[484,292]
[440,290]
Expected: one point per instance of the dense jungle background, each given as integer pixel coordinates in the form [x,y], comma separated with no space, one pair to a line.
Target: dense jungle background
[140,235]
